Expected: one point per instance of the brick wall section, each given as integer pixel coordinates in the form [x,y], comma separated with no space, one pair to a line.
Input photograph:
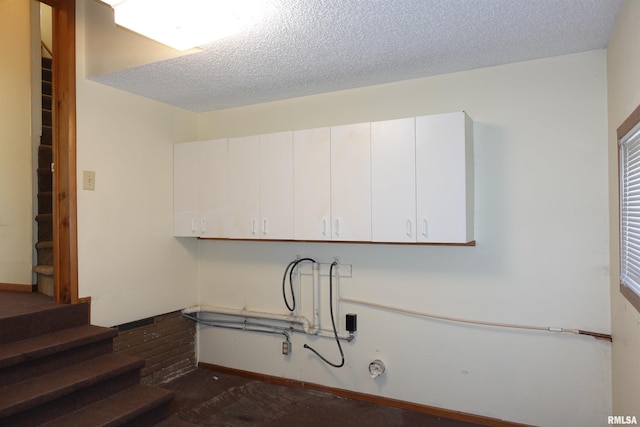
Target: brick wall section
[166,342]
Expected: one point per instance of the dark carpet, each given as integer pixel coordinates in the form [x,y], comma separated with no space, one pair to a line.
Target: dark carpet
[209,398]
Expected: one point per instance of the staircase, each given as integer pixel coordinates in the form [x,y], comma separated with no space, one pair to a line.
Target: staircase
[57,370]
[44,218]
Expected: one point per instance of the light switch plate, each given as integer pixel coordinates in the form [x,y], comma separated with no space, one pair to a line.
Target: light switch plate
[89,180]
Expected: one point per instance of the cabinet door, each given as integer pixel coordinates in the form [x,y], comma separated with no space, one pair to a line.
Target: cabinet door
[444,170]
[186,190]
[351,182]
[244,188]
[214,188]
[276,186]
[393,181]
[312,184]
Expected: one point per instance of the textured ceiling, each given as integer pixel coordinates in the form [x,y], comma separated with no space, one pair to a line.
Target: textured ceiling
[304,47]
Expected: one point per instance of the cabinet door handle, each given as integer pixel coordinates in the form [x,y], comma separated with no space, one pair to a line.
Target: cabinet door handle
[253,226]
[424,227]
[409,227]
[337,228]
[324,226]
[203,225]
[264,226]
[194,225]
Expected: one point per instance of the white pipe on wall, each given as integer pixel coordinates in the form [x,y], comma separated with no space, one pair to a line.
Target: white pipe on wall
[316,298]
[311,328]
[306,324]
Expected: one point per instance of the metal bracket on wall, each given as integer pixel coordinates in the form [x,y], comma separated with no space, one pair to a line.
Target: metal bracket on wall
[343,270]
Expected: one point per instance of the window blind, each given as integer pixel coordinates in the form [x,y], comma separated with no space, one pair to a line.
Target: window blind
[630,210]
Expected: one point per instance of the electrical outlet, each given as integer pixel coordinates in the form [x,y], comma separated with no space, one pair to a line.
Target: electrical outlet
[286,347]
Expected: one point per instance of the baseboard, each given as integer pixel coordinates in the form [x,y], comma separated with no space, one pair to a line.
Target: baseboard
[425,409]
[17,288]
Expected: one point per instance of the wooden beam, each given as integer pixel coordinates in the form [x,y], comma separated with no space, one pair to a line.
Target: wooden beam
[64,153]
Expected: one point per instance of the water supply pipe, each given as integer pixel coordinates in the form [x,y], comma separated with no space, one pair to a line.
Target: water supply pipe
[301,320]
[315,327]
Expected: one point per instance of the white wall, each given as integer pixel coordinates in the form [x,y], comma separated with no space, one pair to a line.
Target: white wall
[623,68]
[541,256]
[16,213]
[46,28]
[129,262]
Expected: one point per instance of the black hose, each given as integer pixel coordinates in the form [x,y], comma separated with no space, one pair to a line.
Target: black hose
[290,268]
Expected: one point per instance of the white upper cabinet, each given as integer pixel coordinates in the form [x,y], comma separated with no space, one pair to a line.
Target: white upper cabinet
[186,190]
[396,181]
[393,181]
[312,184]
[214,188]
[276,186]
[244,188]
[444,171]
[351,182]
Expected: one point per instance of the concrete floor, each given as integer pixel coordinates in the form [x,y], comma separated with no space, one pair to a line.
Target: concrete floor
[209,398]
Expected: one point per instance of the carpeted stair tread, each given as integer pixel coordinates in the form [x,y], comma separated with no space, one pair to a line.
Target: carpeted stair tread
[45,245]
[47,102]
[45,150]
[29,315]
[28,394]
[44,217]
[45,345]
[43,269]
[116,409]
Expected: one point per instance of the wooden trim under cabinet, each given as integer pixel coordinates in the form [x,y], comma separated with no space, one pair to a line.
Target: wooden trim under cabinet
[471,243]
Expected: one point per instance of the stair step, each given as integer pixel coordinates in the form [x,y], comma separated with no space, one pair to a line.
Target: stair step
[47,270]
[45,180]
[44,284]
[31,315]
[133,404]
[68,389]
[46,74]
[45,156]
[57,370]
[47,88]
[47,136]
[21,360]
[44,345]
[48,244]
[44,217]
[47,102]
[45,226]
[47,117]
[44,252]
[45,202]
[44,171]
[46,63]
